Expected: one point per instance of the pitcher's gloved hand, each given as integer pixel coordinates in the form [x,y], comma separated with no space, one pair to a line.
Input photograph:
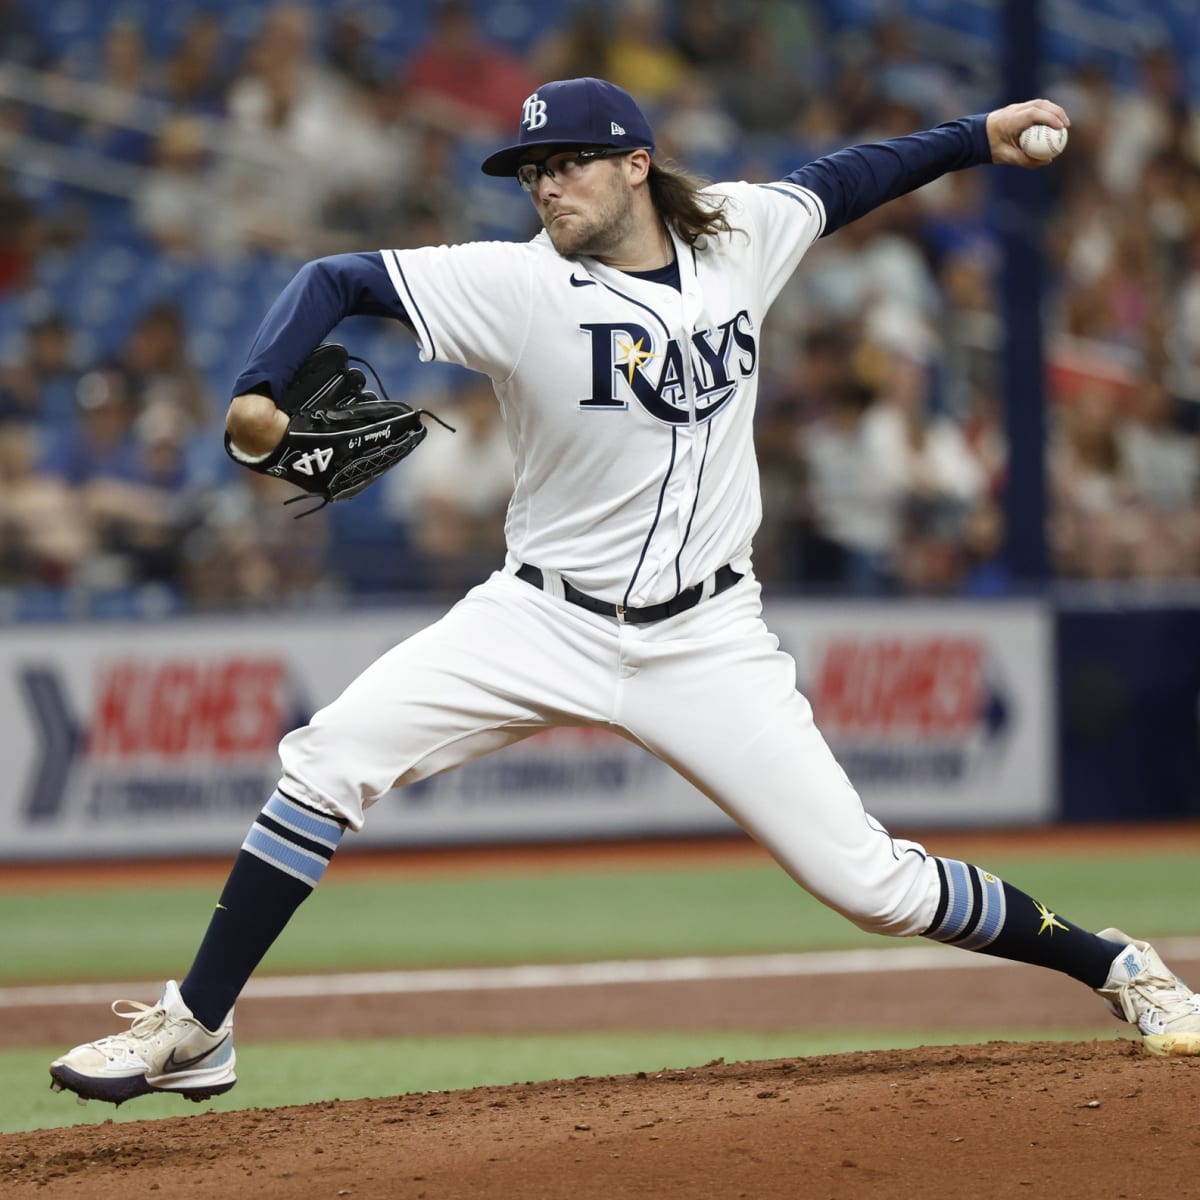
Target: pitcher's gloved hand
[341,436]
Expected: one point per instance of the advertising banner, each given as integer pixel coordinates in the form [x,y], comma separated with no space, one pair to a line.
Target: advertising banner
[160,739]
[941,714]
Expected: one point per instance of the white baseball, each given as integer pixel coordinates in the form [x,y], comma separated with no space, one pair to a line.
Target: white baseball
[1043,142]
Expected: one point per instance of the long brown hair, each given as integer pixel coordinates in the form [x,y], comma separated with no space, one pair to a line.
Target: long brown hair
[676,196]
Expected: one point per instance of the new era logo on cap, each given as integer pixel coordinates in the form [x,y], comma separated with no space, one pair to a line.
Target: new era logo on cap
[574,112]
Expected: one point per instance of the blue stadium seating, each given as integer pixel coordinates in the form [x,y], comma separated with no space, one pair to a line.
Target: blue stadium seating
[103,284]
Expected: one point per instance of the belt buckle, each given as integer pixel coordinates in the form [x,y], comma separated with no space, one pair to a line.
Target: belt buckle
[620,612]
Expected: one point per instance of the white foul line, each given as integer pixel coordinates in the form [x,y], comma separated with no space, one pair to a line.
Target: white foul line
[473,979]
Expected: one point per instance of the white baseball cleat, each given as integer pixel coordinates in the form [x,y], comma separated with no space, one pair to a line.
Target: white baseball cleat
[165,1050]
[1142,990]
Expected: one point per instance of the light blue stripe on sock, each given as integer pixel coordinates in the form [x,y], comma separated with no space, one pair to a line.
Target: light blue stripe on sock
[304,821]
[994,910]
[958,907]
[289,858]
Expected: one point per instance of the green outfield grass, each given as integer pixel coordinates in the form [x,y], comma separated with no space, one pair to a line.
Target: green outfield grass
[583,915]
[586,914]
[284,1073]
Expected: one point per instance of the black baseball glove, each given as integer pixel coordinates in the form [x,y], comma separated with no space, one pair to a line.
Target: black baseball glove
[341,437]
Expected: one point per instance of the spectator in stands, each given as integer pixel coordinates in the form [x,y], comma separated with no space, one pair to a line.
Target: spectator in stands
[351,51]
[804,374]
[758,86]
[872,261]
[856,494]
[577,47]
[1143,121]
[290,113]
[807,382]
[154,362]
[433,208]
[39,387]
[140,520]
[931,552]
[1115,293]
[972,333]
[378,158]
[101,440]
[453,495]
[697,128]
[1184,332]
[703,33]
[931,460]
[125,471]
[982,422]
[461,81]
[177,209]
[1087,87]
[1093,520]
[641,57]
[317,154]
[1166,190]
[197,76]
[800,30]
[984,571]
[117,113]
[952,218]
[1163,461]
[21,40]
[21,237]
[45,536]
[248,551]
[783,481]
[903,75]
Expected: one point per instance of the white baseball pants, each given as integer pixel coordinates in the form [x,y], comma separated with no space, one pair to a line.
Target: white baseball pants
[709,692]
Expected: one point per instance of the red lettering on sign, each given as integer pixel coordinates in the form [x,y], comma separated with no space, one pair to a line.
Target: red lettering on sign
[179,708]
[931,686]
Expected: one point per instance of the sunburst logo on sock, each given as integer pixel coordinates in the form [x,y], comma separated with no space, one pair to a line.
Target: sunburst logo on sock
[1049,920]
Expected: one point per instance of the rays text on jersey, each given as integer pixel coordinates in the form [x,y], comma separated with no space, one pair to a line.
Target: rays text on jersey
[626,359]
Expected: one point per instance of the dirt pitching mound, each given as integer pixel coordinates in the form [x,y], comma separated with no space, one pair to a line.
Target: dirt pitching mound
[1064,1120]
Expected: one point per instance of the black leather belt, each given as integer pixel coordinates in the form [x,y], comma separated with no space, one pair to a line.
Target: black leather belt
[724,579]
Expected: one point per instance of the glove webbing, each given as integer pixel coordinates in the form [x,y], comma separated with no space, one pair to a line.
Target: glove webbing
[383,392]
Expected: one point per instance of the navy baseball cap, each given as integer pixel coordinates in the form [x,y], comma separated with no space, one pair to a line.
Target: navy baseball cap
[575,112]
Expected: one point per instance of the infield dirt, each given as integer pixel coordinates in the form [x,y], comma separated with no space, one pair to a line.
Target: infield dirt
[1062,1120]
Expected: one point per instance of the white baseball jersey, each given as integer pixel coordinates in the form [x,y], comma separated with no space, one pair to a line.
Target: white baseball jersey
[629,405]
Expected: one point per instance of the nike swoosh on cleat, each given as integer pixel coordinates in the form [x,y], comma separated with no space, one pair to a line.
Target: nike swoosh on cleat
[582,282]
[177,1064]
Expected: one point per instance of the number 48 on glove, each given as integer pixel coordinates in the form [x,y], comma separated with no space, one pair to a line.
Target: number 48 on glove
[341,437]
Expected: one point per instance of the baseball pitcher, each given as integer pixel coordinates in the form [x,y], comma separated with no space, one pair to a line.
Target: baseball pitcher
[624,345]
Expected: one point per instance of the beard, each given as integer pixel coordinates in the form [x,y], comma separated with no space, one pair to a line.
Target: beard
[599,233]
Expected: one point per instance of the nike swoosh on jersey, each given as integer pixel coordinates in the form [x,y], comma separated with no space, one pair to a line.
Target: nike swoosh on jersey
[182,1064]
[582,282]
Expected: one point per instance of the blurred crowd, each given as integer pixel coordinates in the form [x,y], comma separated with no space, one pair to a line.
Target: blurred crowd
[881,426]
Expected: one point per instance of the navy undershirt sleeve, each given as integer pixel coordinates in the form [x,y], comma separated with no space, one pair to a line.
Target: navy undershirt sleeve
[320,295]
[852,182]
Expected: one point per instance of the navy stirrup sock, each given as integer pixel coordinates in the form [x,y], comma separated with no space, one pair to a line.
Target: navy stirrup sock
[978,911]
[280,862]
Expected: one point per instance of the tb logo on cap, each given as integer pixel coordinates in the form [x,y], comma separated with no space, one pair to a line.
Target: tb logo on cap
[533,115]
